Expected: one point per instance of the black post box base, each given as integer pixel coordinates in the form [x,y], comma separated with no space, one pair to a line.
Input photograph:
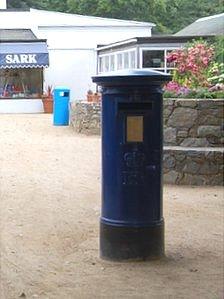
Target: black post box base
[131,243]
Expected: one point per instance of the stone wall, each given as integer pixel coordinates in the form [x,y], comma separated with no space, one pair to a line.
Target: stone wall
[192,166]
[85,117]
[193,141]
[193,138]
[193,123]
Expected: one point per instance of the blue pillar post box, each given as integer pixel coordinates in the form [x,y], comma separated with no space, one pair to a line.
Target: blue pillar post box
[61,106]
[131,223]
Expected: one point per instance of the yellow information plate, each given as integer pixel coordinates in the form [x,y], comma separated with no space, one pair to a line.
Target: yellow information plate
[134,129]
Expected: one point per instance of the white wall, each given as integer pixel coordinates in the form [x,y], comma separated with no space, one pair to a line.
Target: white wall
[72,68]
[73,57]
[21,106]
[88,37]
[3,4]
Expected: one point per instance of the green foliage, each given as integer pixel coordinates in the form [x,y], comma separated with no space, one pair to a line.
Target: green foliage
[25,4]
[200,93]
[216,73]
[181,13]
[219,49]
[169,15]
[56,5]
[17,4]
[138,10]
[169,94]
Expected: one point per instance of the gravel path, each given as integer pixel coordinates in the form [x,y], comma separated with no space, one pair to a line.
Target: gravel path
[49,209]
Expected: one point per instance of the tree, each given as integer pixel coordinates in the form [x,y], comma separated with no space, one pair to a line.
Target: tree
[181,13]
[169,15]
[25,4]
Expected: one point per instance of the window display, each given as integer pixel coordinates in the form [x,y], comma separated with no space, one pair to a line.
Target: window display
[21,83]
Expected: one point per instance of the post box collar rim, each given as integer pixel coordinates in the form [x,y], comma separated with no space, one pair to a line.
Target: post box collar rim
[135,74]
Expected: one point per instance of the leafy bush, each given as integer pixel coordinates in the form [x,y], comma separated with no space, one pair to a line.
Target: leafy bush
[216,73]
[219,49]
[197,74]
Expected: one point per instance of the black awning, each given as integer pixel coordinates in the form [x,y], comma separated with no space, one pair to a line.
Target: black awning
[23,55]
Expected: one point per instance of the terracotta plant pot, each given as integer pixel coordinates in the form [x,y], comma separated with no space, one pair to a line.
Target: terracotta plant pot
[48,105]
[89,97]
[97,97]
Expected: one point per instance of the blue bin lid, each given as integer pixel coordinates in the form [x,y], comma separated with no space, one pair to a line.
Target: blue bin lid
[132,76]
[62,88]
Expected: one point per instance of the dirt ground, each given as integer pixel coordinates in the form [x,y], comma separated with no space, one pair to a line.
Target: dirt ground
[50,207]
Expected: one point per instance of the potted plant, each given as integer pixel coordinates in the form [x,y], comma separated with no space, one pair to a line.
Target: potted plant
[97,97]
[89,95]
[93,96]
[47,99]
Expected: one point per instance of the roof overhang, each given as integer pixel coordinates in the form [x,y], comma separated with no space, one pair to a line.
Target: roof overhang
[166,39]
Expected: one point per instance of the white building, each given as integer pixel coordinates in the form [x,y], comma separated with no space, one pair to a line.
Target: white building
[72,41]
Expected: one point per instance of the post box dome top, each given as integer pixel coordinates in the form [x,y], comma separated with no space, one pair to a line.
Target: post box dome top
[132,77]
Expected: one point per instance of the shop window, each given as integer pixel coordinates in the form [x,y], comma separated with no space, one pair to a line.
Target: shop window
[21,83]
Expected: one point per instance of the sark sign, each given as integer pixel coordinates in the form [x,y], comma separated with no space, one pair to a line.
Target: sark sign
[21,59]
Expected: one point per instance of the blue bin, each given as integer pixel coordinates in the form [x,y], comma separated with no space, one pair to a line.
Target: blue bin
[61,106]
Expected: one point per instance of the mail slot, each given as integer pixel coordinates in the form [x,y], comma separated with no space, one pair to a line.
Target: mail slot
[131,222]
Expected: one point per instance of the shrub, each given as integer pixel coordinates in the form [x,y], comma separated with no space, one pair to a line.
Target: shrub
[197,74]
